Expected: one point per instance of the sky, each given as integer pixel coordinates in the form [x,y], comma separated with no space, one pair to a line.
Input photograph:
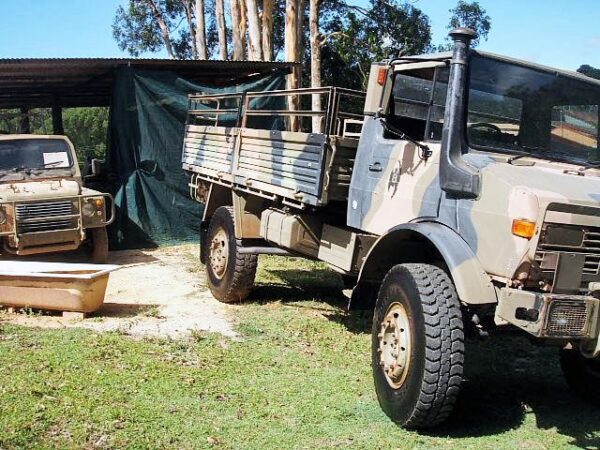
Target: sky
[565,35]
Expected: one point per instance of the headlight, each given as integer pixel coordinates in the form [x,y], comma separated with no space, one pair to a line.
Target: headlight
[93,206]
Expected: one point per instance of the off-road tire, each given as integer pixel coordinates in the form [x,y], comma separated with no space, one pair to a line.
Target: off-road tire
[237,281]
[99,245]
[582,374]
[431,385]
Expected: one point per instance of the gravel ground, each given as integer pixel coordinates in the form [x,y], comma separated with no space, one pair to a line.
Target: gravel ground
[156,293]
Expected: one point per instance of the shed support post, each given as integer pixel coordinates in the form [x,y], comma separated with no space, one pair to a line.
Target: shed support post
[57,120]
[24,124]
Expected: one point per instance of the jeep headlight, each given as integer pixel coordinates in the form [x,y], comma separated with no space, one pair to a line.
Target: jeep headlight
[93,207]
[93,211]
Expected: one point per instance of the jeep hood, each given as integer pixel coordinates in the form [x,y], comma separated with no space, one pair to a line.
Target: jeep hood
[38,190]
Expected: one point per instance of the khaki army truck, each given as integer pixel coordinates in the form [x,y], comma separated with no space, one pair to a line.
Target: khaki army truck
[464,198]
[44,206]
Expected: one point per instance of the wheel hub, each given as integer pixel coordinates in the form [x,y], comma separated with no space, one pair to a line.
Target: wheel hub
[394,345]
[219,253]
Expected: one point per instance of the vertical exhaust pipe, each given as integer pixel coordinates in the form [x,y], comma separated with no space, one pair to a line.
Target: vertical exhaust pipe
[457,178]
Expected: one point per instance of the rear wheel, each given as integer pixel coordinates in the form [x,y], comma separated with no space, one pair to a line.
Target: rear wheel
[417,345]
[230,273]
[582,374]
[99,245]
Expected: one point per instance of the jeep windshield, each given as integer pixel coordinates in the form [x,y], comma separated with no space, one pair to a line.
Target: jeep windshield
[34,157]
[531,111]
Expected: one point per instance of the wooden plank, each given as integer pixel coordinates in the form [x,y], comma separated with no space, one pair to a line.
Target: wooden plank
[218,151]
[300,162]
[278,144]
[287,136]
[284,170]
[295,186]
[210,129]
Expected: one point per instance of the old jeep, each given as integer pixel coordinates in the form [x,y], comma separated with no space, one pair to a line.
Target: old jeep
[44,206]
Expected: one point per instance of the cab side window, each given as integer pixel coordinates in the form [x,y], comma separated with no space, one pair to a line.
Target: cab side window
[418,102]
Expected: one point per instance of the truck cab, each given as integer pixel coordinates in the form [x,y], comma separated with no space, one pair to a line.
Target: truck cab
[44,206]
[466,203]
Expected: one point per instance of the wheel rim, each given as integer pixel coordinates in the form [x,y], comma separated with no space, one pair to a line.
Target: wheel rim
[394,345]
[219,253]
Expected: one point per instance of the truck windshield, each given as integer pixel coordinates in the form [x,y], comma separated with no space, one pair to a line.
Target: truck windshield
[521,109]
[34,154]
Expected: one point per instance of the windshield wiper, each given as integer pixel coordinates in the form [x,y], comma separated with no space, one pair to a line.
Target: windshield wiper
[51,164]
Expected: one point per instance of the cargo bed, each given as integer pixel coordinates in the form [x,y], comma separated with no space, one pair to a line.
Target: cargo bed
[302,168]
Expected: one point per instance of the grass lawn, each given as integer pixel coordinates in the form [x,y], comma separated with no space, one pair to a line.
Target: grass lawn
[298,378]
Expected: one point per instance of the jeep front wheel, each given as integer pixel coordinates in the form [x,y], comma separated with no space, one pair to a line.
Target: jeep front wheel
[99,245]
[417,345]
[230,274]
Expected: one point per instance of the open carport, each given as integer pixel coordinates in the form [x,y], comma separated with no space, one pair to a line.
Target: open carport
[148,103]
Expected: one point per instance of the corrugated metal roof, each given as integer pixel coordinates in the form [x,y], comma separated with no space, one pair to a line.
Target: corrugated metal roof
[40,82]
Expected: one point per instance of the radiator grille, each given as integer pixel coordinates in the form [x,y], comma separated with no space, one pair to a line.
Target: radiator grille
[558,238]
[45,216]
[567,318]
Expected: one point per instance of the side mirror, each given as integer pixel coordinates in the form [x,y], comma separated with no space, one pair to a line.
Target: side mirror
[96,167]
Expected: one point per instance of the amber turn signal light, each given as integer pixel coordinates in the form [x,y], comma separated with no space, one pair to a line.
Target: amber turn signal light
[381,76]
[523,228]
[99,202]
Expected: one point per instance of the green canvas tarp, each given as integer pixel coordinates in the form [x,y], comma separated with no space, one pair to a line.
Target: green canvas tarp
[147,121]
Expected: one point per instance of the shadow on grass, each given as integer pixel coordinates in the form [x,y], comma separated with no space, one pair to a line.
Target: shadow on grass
[320,285]
[509,379]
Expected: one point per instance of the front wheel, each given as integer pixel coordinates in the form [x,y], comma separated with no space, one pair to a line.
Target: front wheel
[99,245]
[417,345]
[230,273]
[582,374]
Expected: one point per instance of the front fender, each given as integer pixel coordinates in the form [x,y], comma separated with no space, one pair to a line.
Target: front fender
[473,284]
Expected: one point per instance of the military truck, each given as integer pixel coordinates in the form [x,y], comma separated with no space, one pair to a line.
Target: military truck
[465,197]
[44,206]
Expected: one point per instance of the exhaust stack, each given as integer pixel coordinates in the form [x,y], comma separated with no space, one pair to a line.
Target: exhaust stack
[457,178]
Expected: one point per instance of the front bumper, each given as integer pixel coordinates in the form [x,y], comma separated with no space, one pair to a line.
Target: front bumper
[548,315]
[53,224]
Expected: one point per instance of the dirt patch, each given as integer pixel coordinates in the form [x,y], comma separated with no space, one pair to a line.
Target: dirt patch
[155,293]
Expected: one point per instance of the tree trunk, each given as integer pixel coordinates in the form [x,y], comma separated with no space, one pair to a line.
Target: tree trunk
[201,30]
[221,28]
[254,41]
[315,62]
[236,36]
[164,29]
[267,30]
[291,54]
[243,24]
[190,21]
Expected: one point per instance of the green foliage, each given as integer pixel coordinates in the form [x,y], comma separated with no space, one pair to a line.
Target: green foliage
[589,71]
[88,130]
[136,30]
[470,15]
[39,119]
[86,127]
[356,37]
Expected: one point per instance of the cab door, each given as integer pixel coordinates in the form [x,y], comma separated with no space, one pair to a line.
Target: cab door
[395,180]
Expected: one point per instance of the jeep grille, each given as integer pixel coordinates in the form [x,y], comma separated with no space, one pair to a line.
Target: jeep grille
[45,216]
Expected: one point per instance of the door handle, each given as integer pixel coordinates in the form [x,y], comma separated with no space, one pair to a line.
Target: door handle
[375,167]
